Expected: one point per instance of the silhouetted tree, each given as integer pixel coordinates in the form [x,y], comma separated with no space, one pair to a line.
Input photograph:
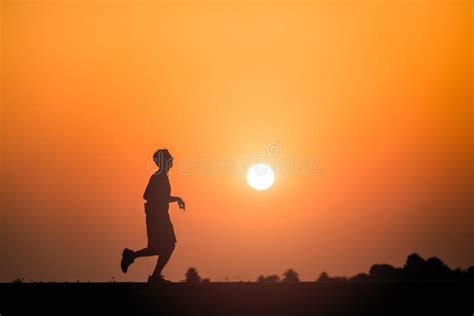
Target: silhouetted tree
[361,277]
[470,273]
[323,277]
[18,280]
[270,278]
[290,275]
[385,272]
[414,267]
[437,269]
[192,276]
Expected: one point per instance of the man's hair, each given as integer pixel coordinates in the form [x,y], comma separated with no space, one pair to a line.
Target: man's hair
[162,157]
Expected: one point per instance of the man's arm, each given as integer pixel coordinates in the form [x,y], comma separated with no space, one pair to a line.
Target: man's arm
[174,199]
[180,201]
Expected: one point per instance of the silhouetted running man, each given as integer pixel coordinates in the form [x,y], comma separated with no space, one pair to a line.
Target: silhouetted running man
[160,232]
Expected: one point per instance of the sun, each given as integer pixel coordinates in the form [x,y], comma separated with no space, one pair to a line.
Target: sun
[260,176]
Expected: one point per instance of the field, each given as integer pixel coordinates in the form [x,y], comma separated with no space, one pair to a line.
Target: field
[302,298]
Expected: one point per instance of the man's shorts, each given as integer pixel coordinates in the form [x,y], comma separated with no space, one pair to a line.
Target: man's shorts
[160,231]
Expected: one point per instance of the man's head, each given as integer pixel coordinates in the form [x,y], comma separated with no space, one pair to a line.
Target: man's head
[163,159]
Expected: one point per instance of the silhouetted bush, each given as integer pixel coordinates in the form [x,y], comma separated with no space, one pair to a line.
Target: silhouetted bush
[290,275]
[192,276]
[361,277]
[18,280]
[414,267]
[269,278]
[385,272]
[205,280]
[435,269]
[324,277]
[470,273]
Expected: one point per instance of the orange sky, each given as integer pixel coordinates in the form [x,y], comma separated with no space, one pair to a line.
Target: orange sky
[377,93]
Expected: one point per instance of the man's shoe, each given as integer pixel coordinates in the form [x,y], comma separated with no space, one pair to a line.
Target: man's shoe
[158,279]
[127,259]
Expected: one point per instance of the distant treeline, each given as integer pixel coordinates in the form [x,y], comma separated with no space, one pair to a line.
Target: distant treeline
[415,269]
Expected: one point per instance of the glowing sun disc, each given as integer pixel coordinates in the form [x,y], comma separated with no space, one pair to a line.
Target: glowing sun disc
[260,176]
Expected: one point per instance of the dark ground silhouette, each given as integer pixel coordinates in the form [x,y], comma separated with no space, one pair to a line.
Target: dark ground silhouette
[420,287]
[239,298]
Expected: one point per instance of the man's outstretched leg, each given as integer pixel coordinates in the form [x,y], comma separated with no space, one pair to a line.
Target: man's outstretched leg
[145,252]
[129,256]
[163,259]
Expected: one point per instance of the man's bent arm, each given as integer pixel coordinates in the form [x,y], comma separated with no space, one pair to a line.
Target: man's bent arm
[174,199]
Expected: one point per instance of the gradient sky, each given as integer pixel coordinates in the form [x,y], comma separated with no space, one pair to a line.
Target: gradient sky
[376,94]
